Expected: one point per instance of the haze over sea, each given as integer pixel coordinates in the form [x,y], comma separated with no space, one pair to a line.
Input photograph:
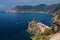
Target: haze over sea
[13,26]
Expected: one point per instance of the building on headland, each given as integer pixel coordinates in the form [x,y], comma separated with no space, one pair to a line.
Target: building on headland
[41,26]
[35,27]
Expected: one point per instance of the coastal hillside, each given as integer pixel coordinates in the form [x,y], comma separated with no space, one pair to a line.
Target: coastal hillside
[56,19]
[40,31]
[56,24]
[35,27]
[37,8]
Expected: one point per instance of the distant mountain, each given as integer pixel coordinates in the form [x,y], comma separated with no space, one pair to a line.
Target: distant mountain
[51,8]
[37,8]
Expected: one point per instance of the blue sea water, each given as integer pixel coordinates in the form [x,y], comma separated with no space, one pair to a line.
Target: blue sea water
[13,26]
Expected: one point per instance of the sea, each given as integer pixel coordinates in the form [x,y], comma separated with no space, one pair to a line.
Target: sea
[13,26]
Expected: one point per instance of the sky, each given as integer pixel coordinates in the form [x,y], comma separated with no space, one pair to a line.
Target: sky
[8,4]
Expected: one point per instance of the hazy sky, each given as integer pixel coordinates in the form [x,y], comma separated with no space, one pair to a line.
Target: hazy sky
[6,4]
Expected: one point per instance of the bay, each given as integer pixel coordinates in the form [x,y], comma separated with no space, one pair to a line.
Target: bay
[14,26]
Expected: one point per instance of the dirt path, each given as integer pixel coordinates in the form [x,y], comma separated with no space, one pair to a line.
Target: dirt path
[56,36]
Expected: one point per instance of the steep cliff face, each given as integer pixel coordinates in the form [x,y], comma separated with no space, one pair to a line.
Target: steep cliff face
[56,25]
[56,19]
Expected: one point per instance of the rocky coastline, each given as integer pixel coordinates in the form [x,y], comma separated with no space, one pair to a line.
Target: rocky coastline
[39,31]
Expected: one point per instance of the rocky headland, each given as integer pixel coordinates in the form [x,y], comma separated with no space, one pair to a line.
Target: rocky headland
[40,31]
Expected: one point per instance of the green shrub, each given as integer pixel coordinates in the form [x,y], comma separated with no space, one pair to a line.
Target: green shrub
[58,17]
[48,31]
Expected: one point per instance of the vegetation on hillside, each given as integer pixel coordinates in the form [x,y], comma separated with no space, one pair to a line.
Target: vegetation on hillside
[43,35]
[32,28]
[37,8]
[36,33]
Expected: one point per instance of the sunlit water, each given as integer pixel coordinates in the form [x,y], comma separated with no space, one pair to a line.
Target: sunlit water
[13,26]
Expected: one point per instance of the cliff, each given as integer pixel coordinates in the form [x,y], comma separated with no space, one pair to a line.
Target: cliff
[56,19]
[56,24]
[39,31]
